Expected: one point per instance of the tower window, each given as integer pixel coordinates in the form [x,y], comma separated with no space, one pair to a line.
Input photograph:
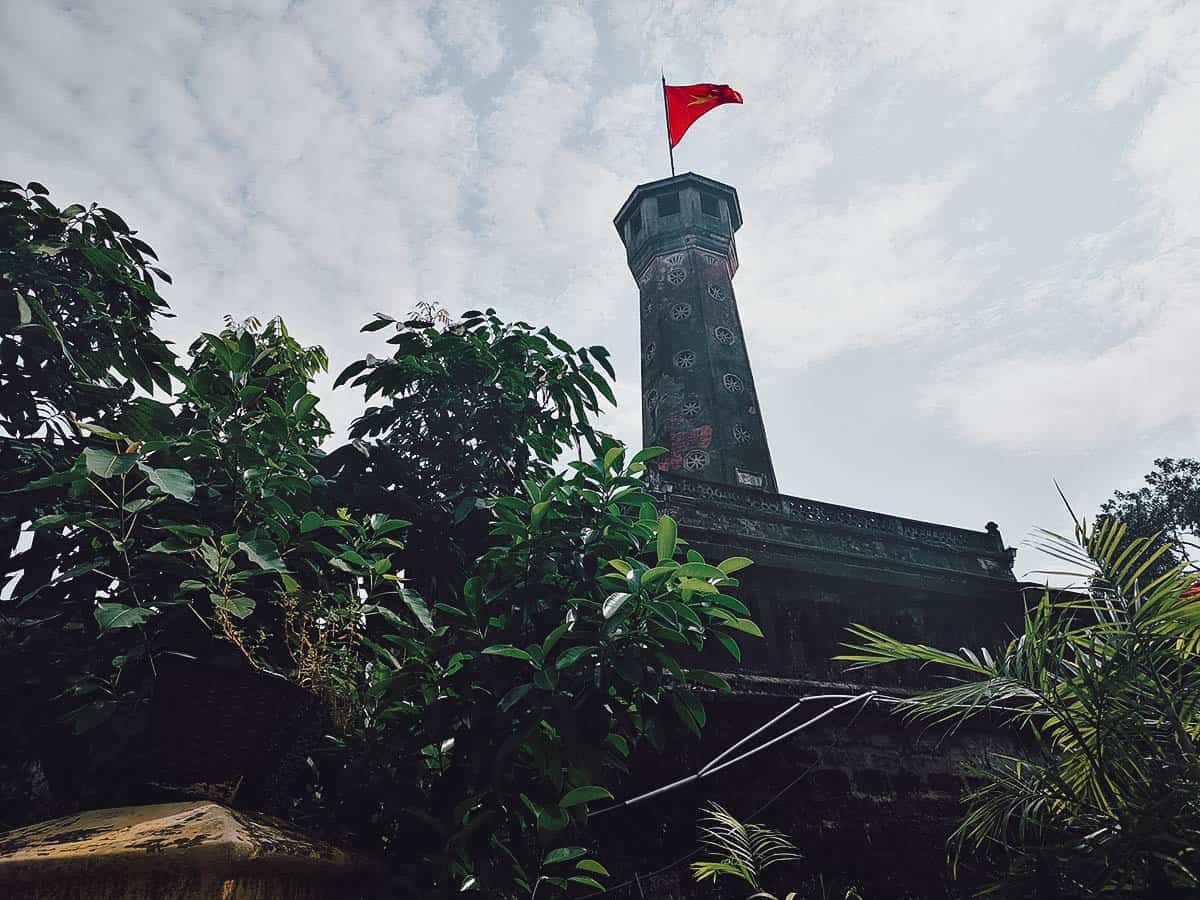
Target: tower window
[716,292]
[668,205]
[695,460]
[742,434]
[732,383]
[635,224]
[691,408]
[685,359]
[681,311]
[723,335]
[709,206]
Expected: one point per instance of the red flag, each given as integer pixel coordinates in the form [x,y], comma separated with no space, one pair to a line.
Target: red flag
[688,102]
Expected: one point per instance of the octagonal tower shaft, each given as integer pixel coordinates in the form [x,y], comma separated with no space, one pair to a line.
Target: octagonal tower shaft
[698,396]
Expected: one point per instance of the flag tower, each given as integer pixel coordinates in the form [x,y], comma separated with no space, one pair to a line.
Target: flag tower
[698,394]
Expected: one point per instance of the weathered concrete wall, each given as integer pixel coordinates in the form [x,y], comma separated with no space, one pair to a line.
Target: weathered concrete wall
[175,851]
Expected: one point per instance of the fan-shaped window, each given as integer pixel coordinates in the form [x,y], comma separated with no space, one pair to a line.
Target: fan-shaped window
[732,383]
[675,259]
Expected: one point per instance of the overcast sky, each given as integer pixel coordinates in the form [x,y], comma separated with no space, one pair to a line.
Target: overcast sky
[971,257]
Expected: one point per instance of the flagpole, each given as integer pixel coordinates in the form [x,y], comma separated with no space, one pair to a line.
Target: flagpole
[667,118]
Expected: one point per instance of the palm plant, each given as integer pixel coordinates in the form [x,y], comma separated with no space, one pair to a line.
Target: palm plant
[742,850]
[1103,690]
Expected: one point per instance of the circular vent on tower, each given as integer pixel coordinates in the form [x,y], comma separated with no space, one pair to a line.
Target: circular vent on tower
[681,311]
[676,276]
[685,359]
[717,292]
[732,383]
[691,408]
[695,460]
[650,348]
[723,335]
[741,434]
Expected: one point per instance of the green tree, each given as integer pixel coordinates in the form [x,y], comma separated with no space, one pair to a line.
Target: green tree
[78,299]
[1168,505]
[1103,687]
[492,640]
[470,409]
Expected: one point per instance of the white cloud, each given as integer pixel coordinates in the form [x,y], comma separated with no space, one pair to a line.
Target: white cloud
[910,176]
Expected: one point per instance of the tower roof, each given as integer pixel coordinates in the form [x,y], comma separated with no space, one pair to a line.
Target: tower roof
[670,185]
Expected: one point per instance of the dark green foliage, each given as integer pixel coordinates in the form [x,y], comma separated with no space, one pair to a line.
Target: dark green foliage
[1103,690]
[1169,505]
[469,410]
[565,652]
[490,641]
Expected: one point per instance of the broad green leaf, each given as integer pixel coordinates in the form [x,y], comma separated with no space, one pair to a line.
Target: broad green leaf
[591,865]
[708,679]
[507,650]
[100,431]
[690,711]
[553,637]
[239,607]
[570,656]
[107,464]
[734,564]
[585,794]
[311,521]
[586,881]
[611,457]
[58,519]
[563,854]
[539,512]
[110,616]
[699,570]
[648,454]
[175,482]
[515,696]
[614,602]
[552,819]
[263,554]
[667,533]
[170,545]
[419,608]
[744,625]
[189,530]
[390,525]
